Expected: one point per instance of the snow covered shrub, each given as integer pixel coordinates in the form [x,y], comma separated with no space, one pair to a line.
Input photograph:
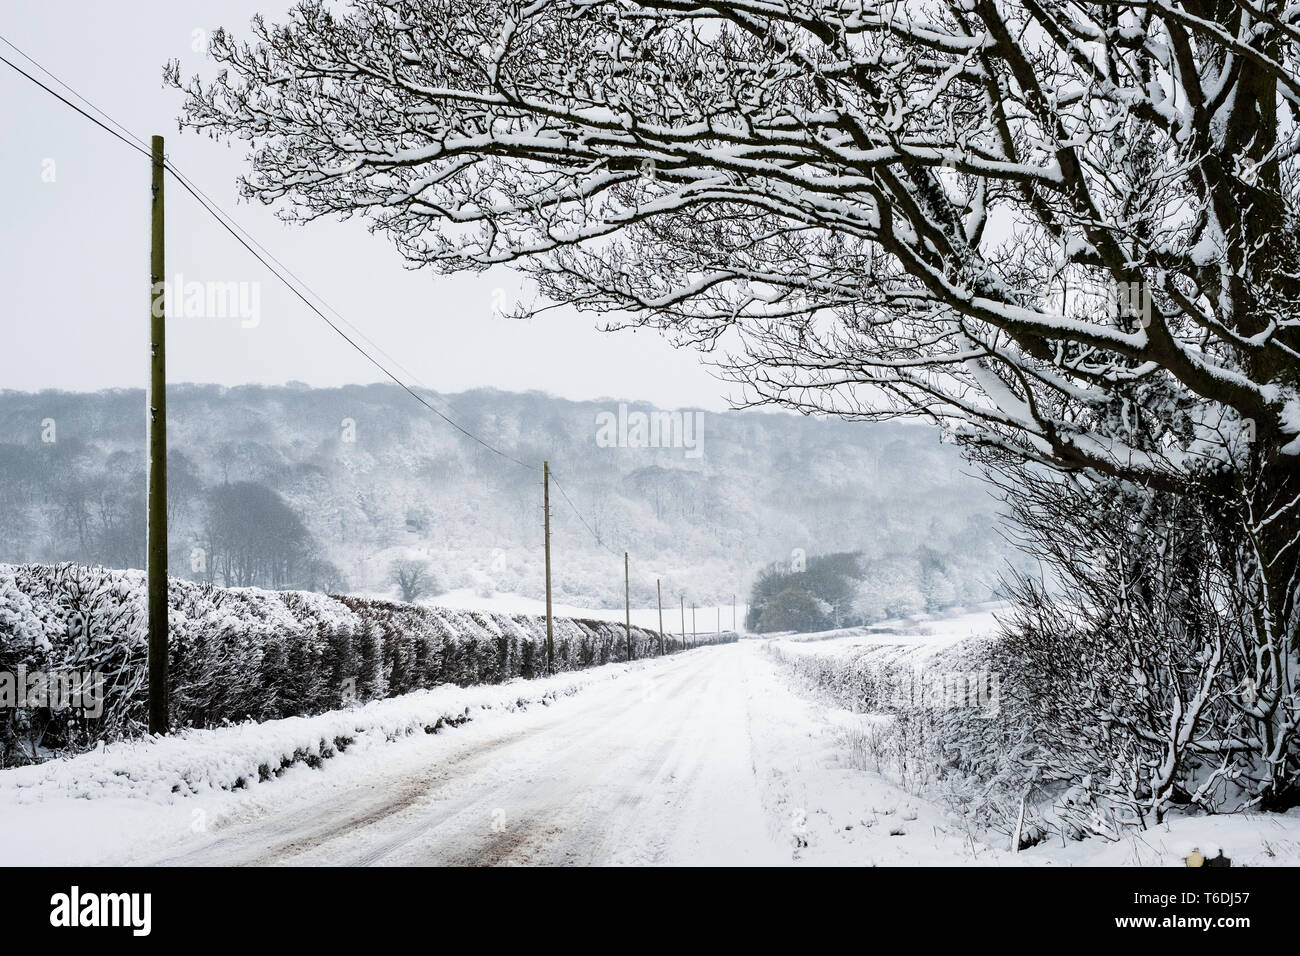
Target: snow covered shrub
[64,619]
[1146,671]
[1128,685]
[974,752]
[1133,683]
[954,745]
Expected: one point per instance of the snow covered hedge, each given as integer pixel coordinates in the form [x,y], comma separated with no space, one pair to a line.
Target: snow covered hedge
[1076,721]
[968,722]
[246,654]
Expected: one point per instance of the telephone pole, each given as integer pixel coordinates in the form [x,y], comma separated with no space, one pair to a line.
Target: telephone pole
[695,635]
[156,483]
[683,622]
[546,510]
[659,596]
[733,612]
[627,604]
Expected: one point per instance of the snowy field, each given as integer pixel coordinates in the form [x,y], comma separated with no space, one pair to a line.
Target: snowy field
[925,633]
[706,618]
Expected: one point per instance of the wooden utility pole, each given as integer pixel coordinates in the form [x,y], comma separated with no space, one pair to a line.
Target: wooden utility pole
[627,603]
[156,482]
[683,621]
[695,637]
[719,618]
[733,612]
[659,596]
[546,511]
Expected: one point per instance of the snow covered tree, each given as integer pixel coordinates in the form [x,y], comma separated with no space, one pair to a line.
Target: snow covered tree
[1066,231]
[795,609]
[413,577]
[254,537]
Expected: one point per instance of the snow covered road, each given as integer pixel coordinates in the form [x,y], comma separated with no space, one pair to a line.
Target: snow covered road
[705,757]
[649,768]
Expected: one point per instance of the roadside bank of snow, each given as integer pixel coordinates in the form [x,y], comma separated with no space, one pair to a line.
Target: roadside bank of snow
[1246,839]
[831,810]
[826,672]
[241,755]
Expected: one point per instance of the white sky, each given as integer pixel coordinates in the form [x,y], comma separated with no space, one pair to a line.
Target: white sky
[74,252]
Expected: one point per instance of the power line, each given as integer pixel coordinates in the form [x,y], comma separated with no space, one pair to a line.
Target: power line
[342,334]
[249,243]
[9,43]
[565,495]
[359,333]
[69,103]
[279,270]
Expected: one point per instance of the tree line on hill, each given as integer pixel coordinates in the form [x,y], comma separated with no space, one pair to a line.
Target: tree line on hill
[848,589]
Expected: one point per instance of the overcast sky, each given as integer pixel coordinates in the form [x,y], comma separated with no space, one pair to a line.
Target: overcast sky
[74,251]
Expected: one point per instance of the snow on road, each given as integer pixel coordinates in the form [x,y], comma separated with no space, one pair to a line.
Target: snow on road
[706,757]
[701,758]
[641,769]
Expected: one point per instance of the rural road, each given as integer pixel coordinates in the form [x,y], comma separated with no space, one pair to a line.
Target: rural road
[657,767]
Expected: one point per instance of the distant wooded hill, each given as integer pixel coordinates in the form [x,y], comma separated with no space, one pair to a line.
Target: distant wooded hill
[327,488]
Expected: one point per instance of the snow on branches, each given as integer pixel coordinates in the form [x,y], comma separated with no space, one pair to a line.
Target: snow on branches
[928,207]
[1064,230]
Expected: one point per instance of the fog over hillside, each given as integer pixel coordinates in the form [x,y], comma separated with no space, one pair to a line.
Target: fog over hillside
[325,488]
